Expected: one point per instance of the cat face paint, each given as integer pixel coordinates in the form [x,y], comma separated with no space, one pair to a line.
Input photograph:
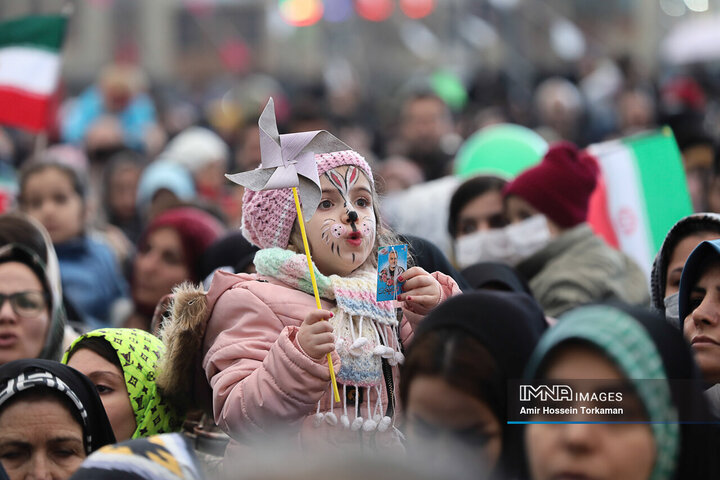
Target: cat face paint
[342,231]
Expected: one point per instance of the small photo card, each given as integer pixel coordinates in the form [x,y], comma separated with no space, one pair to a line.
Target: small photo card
[392,262]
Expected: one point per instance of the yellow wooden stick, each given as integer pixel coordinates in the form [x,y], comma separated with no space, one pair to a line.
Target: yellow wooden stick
[314,285]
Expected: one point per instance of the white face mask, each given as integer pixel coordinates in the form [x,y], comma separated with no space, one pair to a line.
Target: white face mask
[510,245]
[672,309]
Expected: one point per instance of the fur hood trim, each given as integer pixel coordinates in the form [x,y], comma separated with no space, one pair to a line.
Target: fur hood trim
[183,333]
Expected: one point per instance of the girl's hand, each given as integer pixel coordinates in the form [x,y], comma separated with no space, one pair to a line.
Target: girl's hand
[316,335]
[421,292]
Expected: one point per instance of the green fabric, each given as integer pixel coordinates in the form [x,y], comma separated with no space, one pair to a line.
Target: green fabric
[660,170]
[631,349]
[139,352]
[44,32]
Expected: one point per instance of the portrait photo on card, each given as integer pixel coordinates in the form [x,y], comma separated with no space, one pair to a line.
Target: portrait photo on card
[392,263]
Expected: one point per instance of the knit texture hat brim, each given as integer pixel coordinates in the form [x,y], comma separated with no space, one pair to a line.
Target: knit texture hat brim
[269,215]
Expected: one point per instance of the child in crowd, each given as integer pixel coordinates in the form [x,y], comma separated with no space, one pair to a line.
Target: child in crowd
[55,195]
[262,342]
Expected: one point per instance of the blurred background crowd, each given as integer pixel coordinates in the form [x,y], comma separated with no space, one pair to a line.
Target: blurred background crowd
[123,195]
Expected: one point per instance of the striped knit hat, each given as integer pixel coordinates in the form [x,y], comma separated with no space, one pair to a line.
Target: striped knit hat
[268,215]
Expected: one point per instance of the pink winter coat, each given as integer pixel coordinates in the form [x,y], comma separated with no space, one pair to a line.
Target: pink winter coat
[259,375]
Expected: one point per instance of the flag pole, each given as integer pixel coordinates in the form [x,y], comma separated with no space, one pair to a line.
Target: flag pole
[314,285]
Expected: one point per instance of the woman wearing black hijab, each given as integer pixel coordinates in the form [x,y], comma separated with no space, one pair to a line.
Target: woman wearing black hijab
[495,276]
[51,418]
[454,380]
[231,252]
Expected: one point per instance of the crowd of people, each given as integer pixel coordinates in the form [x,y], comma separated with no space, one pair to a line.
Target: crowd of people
[158,321]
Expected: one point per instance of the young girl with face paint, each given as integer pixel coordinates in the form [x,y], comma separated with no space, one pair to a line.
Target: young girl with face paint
[264,342]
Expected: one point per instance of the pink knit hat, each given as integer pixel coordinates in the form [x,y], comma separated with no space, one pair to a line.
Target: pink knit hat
[268,215]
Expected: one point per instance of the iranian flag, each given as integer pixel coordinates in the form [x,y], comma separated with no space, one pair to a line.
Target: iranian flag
[641,195]
[29,69]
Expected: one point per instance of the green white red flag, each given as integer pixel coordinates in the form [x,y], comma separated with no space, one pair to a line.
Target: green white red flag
[641,195]
[29,69]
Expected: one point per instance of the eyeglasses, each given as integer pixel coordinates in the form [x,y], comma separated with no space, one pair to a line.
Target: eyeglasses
[27,304]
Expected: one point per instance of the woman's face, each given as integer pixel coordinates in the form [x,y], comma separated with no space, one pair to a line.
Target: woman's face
[159,265]
[341,233]
[678,258]
[50,198]
[438,413]
[588,451]
[702,326]
[40,439]
[481,213]
[110,384]
[24,325]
